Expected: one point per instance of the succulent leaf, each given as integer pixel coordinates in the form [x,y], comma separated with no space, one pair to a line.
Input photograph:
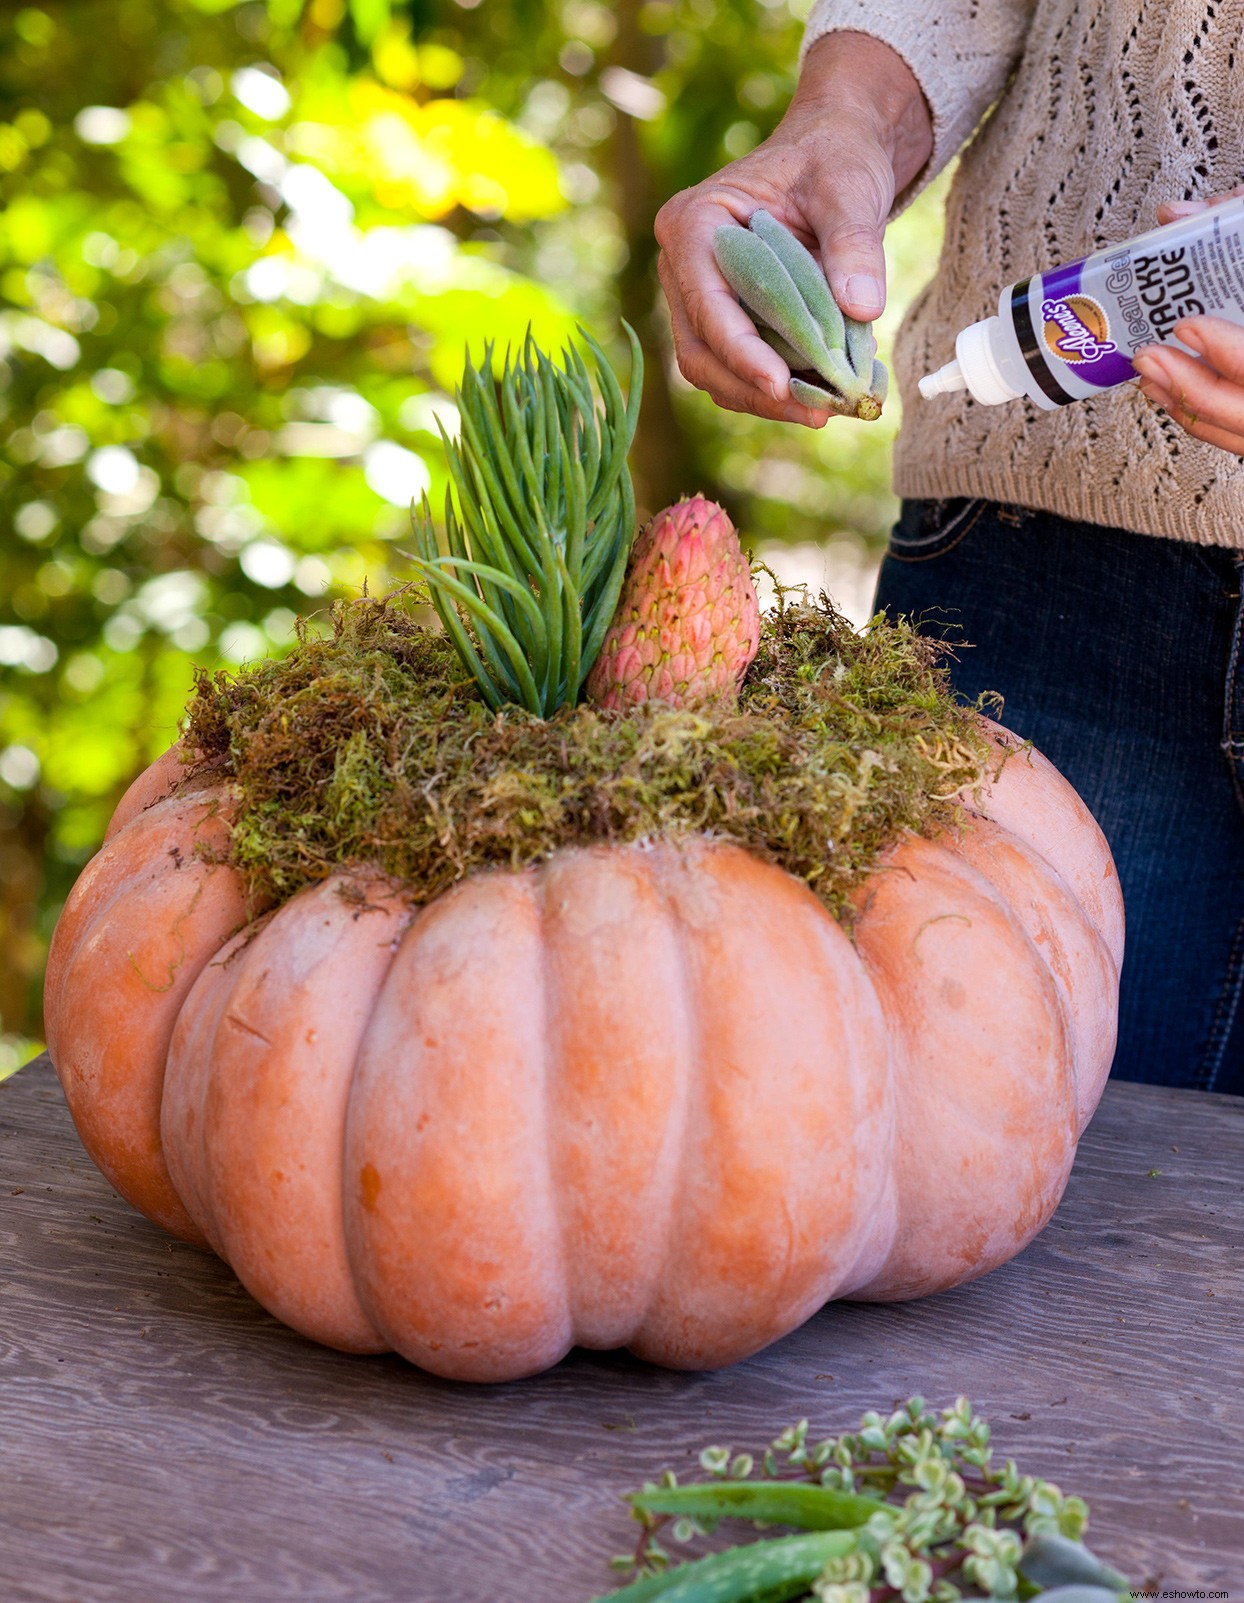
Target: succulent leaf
[1077,1592]
[781,284]
[861,348]
[794,359]
[758,277]
[1050,1560]
[803,267]
[820,397]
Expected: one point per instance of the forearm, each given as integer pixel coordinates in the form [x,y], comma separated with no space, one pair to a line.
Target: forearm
[853,75]
[959,52]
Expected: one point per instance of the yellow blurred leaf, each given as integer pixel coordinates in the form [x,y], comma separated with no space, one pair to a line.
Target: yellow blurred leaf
[427,159]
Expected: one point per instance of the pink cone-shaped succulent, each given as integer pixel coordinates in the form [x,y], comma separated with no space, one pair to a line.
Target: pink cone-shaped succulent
[688,622]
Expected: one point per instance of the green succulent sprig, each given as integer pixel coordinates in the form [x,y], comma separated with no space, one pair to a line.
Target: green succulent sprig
[908,1507]
[526,573]
[831,357]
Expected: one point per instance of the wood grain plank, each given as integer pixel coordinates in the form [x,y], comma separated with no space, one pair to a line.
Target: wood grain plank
[162,1438]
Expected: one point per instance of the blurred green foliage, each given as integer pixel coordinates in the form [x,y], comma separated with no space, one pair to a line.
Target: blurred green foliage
[241,250]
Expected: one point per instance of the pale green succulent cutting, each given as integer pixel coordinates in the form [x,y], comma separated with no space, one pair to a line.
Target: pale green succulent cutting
[832,358]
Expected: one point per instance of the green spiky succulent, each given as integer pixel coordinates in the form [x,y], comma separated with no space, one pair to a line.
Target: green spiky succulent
[526,573]
[831,357]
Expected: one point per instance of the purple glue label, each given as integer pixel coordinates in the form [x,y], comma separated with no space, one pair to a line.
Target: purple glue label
[1077,330]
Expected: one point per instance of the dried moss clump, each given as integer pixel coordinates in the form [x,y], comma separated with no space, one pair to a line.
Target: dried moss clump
[370,746]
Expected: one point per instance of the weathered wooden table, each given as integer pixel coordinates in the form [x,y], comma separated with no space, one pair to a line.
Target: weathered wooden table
[161,1438]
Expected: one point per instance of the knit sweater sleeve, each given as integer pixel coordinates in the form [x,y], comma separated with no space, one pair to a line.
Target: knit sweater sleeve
[961,52]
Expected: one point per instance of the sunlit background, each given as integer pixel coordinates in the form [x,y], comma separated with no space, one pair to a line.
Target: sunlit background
[241,249]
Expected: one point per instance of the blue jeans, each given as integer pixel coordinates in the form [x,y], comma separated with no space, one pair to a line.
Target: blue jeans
[1121,656]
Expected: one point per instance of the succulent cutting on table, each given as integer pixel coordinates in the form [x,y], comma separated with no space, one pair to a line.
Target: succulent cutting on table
[832,357]
[908,1508]
[558,952]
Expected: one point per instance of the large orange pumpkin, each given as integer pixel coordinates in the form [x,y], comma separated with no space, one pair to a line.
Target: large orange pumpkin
[644,1096]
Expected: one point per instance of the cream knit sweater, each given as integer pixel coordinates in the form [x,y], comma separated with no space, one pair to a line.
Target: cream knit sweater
[1101,108]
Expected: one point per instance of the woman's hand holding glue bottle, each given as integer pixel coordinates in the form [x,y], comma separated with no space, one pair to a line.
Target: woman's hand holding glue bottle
[1203,393]
[1076,330]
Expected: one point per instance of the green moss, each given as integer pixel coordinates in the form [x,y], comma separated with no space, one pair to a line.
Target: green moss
[370,746]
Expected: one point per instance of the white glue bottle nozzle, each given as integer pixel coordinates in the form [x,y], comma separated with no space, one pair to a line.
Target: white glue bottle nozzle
[983,366]
[945,381]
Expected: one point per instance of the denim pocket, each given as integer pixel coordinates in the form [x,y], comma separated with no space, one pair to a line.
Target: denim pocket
[928,529]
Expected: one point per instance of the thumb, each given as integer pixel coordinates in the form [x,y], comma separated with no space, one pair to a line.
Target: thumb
[848,217]
[1170,211]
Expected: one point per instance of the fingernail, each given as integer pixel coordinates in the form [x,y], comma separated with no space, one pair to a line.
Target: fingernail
[778,388]
[864,293]
[1148,366]
[1183,208]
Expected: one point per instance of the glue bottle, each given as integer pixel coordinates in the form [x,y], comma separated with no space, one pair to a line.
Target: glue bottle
[1073,331]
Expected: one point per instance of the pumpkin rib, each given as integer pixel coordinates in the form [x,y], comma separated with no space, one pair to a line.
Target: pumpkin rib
[187,1075]
[280,1024]
[965,989]
[112,873]
[448,1217]
[1071,944]
[665,860]
[157,782]
[550,1060]
[804,1033]
[137,923]
[876,1133]
[1028,796]
[617,1089]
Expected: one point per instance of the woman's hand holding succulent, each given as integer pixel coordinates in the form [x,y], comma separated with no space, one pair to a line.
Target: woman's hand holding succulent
[856,131]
